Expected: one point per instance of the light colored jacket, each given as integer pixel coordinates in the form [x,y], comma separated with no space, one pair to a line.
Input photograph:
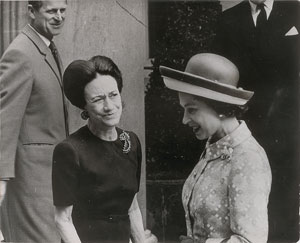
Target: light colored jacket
[33,120]
[226,195]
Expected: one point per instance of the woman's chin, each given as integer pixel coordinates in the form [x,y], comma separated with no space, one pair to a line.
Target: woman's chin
[105,124]
[112,123]
[200,136]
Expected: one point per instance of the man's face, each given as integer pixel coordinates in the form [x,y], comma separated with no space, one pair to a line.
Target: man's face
[50,18]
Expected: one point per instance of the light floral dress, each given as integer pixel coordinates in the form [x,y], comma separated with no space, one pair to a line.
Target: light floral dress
[225,198]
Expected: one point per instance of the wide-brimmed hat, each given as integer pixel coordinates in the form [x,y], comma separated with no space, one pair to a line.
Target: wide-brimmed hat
[210,76]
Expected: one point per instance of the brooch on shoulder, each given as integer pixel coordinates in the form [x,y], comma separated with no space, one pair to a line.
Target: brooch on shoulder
[125,138]
[226,153]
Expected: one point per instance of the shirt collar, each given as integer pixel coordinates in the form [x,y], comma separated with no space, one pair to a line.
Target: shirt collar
[47,42]
[268,7]
[224,147]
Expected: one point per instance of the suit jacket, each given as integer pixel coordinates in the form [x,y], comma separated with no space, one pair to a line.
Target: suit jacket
[33,121]
[269,65]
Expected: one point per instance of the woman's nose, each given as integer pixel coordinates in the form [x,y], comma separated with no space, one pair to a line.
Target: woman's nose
[108,105]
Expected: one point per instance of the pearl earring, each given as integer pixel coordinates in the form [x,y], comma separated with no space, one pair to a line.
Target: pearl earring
[84,115]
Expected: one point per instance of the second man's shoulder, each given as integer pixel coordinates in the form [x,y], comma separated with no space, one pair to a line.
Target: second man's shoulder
[240,10]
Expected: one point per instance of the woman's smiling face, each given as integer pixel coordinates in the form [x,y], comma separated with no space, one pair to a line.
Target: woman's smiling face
[204,120]
[103,102]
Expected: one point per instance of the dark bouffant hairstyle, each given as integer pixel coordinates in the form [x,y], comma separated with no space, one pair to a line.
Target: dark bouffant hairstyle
[226,109]
[80,72]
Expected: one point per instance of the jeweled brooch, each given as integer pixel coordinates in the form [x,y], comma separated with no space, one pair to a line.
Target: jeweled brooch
[125,138]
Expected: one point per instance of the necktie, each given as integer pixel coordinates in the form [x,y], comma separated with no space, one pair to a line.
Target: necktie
[55,54]
[262,16]
[57,60]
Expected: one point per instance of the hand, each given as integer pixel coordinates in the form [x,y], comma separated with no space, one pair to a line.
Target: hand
[3,185]
[1,236]
[150,238]
[186,239]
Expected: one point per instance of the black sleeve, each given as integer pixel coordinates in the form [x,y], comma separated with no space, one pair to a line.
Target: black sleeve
[65,174]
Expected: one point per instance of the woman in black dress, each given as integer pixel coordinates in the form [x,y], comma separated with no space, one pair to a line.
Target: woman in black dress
[96,171]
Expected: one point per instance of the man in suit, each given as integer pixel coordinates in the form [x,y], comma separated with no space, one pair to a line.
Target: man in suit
[33,120]
[262,38]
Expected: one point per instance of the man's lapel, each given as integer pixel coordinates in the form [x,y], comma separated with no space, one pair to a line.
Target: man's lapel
[248,20]
[246,23]
[276,11]
[246,17]
[280,21]
[52,63]
[44,50]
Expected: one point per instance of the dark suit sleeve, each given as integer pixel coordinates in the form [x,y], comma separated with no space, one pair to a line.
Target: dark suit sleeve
[220,38]
[225,43]
[65,174]
[16,82]
[229,42]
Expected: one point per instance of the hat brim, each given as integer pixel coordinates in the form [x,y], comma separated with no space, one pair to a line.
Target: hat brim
[200,86]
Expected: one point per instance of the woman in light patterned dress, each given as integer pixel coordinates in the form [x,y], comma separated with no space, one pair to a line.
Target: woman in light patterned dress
[225,198]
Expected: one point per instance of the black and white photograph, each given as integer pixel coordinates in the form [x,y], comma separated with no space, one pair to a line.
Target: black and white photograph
[149,121]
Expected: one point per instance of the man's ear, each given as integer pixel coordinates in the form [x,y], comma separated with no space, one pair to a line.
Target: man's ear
[31,11]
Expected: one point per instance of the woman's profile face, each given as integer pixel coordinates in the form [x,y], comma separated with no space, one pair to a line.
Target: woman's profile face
[103,101]
[204,121]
